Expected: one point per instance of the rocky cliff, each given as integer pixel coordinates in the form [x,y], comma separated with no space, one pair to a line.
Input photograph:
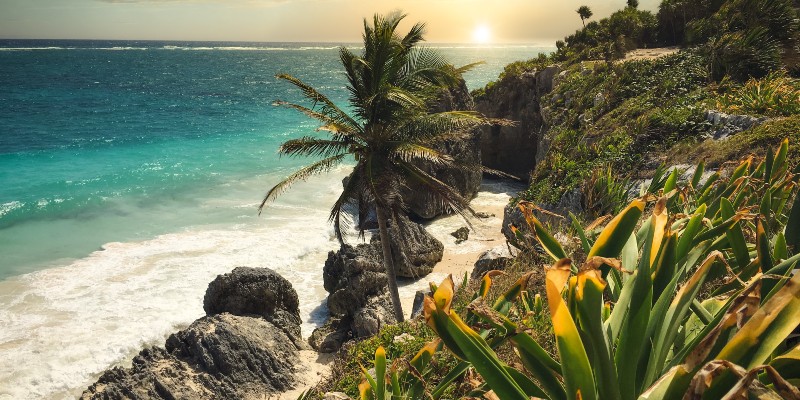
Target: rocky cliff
[515,149]
[466,152]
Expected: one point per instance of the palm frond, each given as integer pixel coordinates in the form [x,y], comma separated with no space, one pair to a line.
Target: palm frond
[328,108]
[329,124]
[469,67]
[314,147]
[352,193]
[302,174]
[411,152]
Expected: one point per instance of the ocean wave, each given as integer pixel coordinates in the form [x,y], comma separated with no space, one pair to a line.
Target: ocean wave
[6,208]
[132,294]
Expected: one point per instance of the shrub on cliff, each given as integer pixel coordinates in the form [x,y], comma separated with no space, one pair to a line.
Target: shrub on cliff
[611,37]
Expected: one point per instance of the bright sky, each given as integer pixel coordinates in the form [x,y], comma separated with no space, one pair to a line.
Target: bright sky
[449,21]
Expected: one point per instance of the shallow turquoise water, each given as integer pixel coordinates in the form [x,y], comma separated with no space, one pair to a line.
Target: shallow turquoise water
[111,141]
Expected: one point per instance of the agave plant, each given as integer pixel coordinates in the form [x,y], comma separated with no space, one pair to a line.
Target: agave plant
[406,380]
[655,339]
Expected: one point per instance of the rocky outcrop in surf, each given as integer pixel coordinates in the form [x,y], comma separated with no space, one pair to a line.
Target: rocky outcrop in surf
[244,348]
[354,276]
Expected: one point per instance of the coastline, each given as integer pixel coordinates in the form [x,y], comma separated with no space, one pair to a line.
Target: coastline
[456,260]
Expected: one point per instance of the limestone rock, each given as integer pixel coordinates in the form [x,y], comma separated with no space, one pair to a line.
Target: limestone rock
[415,251]
[375,314]
[497,258]
[255,292]
[219,356]
[730,124]
[240,351]
[461,234]
[419,298]
[329,337]
[513,149]
[356,280]
[244,348]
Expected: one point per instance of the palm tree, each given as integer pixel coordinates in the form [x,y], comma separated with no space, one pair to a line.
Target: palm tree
[390,132]
[585,13]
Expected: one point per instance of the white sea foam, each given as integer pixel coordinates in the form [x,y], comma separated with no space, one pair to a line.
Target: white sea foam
[62,326]
[6,208]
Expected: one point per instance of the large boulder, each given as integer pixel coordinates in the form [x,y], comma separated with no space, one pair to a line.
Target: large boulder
[258,292]
[497,258]
[466,181]
[220,356]
[415,251]
[514,149]
[355,278]
[244,348]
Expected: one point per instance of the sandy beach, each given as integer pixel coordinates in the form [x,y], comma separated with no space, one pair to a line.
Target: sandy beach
[456,260]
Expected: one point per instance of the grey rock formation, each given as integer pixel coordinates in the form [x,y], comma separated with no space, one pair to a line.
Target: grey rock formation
[730,124]
[415,251]
[461,234]
[467,182]
[497,258]
[258,292]
[329,337]
[221,355]
[419,298]
[373,316]
[356,280]
[513,149]
[512,216]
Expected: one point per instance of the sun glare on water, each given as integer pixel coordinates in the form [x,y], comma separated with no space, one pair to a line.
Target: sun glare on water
[482,34]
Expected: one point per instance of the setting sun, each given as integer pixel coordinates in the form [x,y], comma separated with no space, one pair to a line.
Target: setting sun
[481,34]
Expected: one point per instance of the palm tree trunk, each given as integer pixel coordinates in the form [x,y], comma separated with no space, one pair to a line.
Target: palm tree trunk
[388,262]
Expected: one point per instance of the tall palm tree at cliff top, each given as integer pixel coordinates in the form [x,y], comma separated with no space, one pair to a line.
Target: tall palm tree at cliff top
[585,13]
[389,133]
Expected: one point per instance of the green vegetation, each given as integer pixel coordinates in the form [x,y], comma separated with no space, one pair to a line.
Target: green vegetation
[696,297]
[689,289]
[390,132]
[614,115]
[756,140]
[622,318]
[775,95]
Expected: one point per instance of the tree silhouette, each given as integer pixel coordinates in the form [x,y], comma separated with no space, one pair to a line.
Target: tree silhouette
[585,13]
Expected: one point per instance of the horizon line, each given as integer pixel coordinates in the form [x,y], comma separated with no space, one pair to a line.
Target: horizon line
[518,43]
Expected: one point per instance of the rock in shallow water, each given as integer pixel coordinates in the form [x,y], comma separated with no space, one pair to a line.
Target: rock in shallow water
[220,356]
[259,292]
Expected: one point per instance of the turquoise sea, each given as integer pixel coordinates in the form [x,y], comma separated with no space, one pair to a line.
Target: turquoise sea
[129,176]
